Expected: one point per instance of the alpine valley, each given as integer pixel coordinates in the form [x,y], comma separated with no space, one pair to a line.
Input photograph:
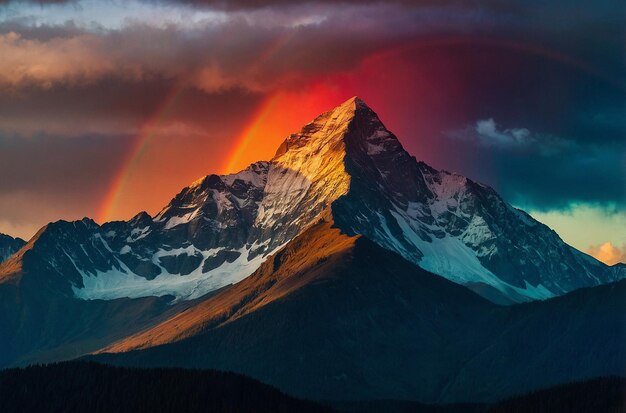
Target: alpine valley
[342,269]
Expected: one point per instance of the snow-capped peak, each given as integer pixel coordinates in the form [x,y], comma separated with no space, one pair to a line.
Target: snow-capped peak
[344,164]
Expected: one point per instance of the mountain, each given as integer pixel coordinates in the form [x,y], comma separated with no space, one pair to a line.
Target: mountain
[9,246]
[221,228]
[337,317]
[77,287]
[42,320]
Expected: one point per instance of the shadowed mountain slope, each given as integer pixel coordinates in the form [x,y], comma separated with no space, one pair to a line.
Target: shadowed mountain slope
[337,317]
[9,246]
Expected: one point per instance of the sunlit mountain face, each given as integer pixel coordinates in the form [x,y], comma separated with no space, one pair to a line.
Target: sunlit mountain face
[406,201]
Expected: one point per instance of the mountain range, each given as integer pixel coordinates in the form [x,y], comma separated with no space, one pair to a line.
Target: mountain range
[335,317]
[343,268]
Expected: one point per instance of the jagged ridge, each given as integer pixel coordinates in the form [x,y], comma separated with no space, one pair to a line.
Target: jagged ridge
[346,163]
[9,246]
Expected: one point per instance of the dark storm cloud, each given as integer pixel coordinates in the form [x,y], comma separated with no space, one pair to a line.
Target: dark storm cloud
[28,30]
[519,7]
[591,175]
[313,39]
[109,79]
[540,91]
[234,54]
[259,4]
[543,132]
[542,171]
[42,2]
[488,134]
[117,106]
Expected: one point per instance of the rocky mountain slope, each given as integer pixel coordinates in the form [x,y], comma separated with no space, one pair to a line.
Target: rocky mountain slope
[336,317]
[40,318]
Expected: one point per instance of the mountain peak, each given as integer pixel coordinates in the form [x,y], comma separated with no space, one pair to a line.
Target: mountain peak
[355,107]
[353,102]
[352,125]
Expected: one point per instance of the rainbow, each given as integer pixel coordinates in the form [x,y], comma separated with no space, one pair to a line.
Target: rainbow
[234,159]
[133,157]
[111,201]
[260,115]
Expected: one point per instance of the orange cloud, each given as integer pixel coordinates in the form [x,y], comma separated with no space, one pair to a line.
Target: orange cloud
[213,59]
[77,58]
[608,253]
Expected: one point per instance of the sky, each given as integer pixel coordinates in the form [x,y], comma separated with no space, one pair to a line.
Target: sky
[108,108]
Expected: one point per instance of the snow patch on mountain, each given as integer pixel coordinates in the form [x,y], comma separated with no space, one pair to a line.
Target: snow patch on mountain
[179,220]
[122,282]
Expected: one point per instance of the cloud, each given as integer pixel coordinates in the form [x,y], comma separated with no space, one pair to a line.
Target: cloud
[539,170]
[41,2]
[608,253]
[113,106]
[77,59]
[257,47]
[487,133]
[222,56]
